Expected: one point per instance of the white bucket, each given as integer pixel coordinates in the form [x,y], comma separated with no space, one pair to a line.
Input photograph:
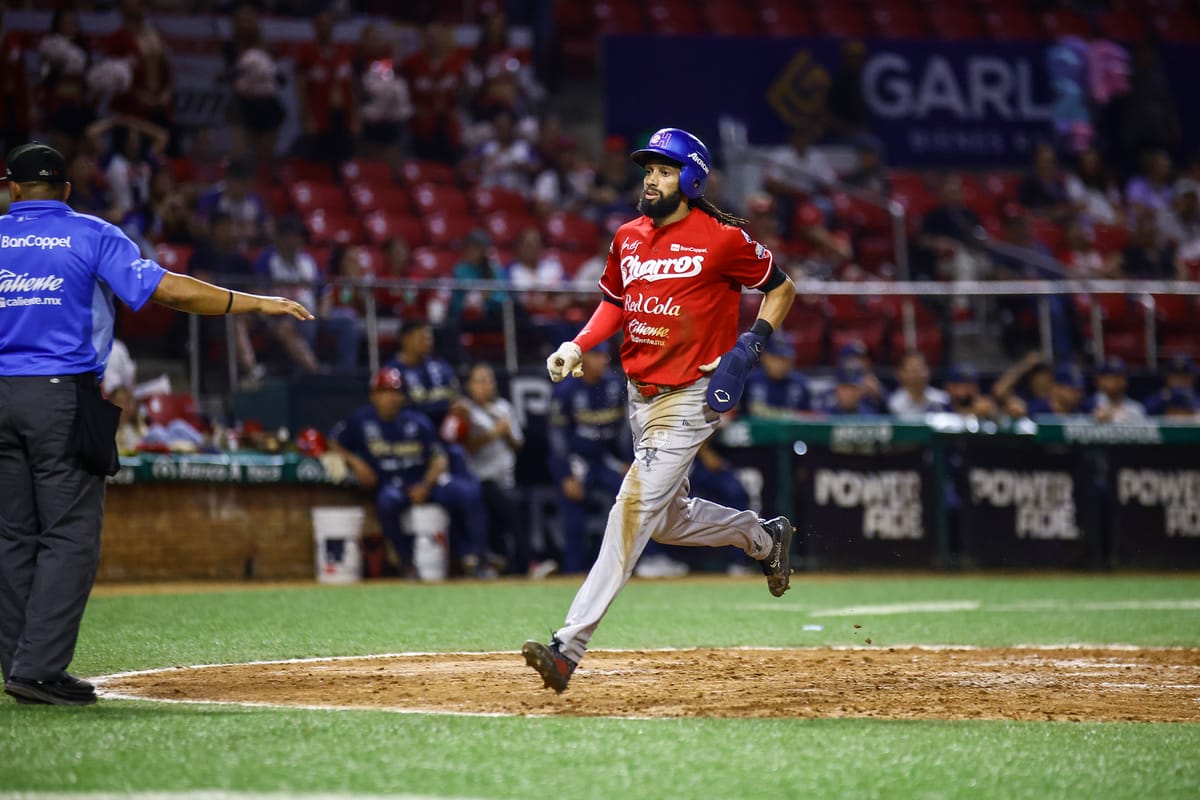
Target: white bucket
[429,525]
[337,533]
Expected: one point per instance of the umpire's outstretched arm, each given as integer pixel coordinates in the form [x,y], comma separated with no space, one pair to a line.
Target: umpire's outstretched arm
[185,293]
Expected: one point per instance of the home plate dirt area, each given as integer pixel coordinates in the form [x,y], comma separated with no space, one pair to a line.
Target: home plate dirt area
[1075,683]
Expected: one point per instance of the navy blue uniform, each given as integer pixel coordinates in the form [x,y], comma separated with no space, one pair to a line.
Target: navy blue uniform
[430,386]
[765,397]
[590,440]
[399,451]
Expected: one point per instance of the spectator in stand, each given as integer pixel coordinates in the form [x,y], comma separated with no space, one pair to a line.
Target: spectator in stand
[437,77]
[341,308]
[218,258]
[500,74]
[614,195]
[484,309]
[1093,190]
[149,96]
[63,99]
[1065,397]
[492,439]
[1081,256]
[393,451]
[848,396]
[1147,255]
[846,107]
[385,103]
[1110,403]
[396,302]
[1179,373]
[236,198]
[1027,381]
[965,397]
[797,168]
[165,217]
[534,268]
[1151,188]
[590,271]
[775,388]
[915,398]
[564,181]
[1180,406]
[869,172]
[89,193]
[507,161]
[1181,222]
[1026,257]
[948,242]
[854,355]
[1044,190]
[324,76]
[1150,119]
[16,111]
[429,381]
[293,273]
[256,112]
[203,163]
[137,147]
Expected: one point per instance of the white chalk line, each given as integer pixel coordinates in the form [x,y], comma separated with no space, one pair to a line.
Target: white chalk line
[217,794]
[962,606]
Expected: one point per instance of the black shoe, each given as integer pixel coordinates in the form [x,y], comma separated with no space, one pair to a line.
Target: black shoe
[78,684]
[777,566]
[550,663]
[65,691]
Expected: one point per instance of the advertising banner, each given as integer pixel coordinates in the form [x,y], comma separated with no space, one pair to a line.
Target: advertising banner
[1021,507]
[866,510]
[1154,506]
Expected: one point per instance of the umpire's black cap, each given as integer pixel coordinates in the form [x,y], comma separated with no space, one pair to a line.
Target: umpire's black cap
[36,163]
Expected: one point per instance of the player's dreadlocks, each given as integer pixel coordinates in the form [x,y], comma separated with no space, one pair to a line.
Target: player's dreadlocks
[724,217]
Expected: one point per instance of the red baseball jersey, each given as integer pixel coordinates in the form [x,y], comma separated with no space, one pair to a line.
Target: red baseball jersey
[680,286]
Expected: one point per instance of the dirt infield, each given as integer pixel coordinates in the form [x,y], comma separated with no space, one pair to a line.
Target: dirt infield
[1078,684]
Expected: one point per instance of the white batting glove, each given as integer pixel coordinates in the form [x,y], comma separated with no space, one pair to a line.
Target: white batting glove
[565,361]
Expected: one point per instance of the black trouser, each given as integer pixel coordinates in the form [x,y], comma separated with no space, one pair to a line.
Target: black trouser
[51,512]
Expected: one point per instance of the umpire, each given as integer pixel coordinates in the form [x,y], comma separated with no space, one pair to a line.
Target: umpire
[59,272]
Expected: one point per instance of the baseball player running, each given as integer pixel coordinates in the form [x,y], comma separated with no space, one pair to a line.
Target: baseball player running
[672,284]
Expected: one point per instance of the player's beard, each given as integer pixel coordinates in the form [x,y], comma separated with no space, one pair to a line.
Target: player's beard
[664,206]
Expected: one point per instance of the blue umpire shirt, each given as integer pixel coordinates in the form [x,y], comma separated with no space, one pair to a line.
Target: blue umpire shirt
[588,421]
[59,271]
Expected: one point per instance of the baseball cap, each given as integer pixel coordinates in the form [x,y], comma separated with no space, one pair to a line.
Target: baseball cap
[478,238]
[1181,363]
[962,373]
[780,346]
[1068,375]
[852,375]
[35,163]
[1111,366]
[852,350]
[1181,398]
[387,378]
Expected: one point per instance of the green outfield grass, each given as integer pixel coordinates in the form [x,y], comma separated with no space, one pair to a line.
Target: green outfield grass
[144,746]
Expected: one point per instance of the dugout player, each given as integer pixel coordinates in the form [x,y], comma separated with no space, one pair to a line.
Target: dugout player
[394,451]
[673,285]
[59,272]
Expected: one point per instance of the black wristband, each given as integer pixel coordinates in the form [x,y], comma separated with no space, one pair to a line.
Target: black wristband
[229,305]
[762,328]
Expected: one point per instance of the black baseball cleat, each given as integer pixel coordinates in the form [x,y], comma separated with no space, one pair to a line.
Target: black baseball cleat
[66,691]
[777,566]
[552,665]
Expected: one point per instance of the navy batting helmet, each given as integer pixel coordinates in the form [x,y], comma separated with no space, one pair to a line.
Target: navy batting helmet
[683,149]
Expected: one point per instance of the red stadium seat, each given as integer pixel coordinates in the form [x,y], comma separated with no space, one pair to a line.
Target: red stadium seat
[173,256]
[955,24]
[618,16]
[1003,186]
[382,226]
[416,171]
[434,262]
[504,226]
[841,20]
[366,197]
[1012,25]
[161,409]
[730,18]
[1122,321]
[326,228]
[277,198]
[1047,232]
[1122,26]
[570,231]
[1179,26]
[446,230]
[486,199]
[571,17]
[898,22]
[980,199]
[783,19]
[296,169]
[1110,238]
[1061,22]
[862,216]
[372,173]
[440,198]
[308,196]
[674,18]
